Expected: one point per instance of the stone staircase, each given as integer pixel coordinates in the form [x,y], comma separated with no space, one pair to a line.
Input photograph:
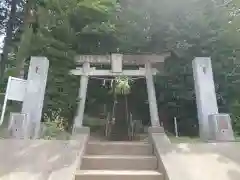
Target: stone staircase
[118,161]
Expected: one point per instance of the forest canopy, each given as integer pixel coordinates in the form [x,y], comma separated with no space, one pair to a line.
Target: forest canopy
[61,29]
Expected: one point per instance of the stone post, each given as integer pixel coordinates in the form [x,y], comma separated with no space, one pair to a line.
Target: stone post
[35,91]
[205,93]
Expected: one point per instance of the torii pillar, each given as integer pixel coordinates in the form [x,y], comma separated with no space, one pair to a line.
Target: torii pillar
[82,96]
[152,100]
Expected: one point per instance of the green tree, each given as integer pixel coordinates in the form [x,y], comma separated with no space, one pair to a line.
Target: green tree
[63,27]
[8,38]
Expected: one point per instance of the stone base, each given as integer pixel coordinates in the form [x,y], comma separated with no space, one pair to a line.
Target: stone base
[220,128]
[81,130]
[156,129]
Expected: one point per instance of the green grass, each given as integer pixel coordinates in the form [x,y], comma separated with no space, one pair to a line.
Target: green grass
[93,121]
[187,139]
[237,139]
[184,139]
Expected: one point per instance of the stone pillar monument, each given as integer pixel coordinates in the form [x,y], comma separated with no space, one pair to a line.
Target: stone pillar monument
[34,95]
[205,93]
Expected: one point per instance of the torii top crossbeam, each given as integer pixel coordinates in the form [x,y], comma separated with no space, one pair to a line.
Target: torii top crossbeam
[138,59]
[117,62]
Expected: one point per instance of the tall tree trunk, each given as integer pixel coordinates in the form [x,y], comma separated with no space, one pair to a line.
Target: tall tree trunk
[113,106]
[26,37]
[8,38]
[23,51]
[120,128]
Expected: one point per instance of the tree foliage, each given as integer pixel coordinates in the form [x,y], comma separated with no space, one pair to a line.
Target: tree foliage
[62,25]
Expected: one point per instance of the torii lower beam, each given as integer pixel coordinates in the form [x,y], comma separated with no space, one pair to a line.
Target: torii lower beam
[141,72]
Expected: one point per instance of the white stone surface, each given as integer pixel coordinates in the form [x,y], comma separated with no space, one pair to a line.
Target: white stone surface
[205,93]
[35,90]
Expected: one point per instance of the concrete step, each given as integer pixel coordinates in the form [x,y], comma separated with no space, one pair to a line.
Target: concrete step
[119,162]
[117,148]
[117,175]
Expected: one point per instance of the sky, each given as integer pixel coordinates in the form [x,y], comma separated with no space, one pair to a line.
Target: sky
[1,43]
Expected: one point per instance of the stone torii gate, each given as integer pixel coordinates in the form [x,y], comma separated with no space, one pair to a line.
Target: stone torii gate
[117,61]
